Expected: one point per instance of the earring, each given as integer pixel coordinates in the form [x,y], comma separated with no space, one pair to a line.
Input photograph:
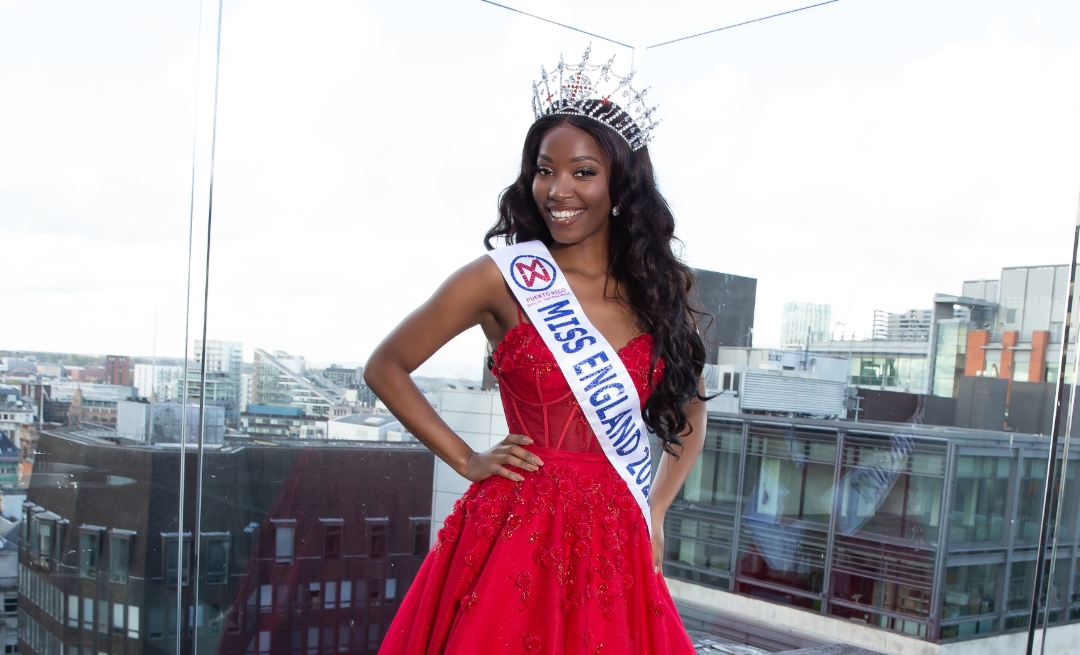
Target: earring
[615,210]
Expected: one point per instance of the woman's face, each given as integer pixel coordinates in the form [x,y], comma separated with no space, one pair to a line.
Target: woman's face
[570,186]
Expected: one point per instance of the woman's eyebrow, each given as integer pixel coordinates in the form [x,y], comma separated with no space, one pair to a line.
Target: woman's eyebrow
[574,160]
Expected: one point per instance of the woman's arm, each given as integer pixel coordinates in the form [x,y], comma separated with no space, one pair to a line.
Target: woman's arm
[672,473]
[469,297]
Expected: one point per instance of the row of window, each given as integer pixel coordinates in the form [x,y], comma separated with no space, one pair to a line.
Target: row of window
[40,639]
[40,592]
[346,637]
[91,614]
[324,595]
[120,544]
[378,531]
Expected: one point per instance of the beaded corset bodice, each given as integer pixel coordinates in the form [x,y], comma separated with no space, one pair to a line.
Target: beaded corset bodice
[537,399]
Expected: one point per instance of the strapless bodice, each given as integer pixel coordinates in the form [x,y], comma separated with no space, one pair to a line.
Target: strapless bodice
[537,399]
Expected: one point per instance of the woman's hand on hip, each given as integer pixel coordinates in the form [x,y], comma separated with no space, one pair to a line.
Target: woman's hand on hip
[498,460]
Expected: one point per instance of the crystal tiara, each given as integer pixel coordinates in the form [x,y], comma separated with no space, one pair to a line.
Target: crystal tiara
[586,90]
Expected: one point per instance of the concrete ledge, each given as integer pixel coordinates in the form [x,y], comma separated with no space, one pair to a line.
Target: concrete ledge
[799,624]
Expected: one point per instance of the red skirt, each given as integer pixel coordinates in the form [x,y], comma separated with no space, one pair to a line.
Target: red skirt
[560,564]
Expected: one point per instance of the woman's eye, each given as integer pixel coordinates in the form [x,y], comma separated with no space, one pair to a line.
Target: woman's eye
[543,171]
[586,172]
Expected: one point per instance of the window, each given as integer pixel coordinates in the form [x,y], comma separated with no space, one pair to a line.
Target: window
[343,638]
[332,542]
[331,595]
[391,588]
[265,600]
[73,612]
[119,557]
[155,625]
[217,560]
[421,531]
[88,614]
[90,538]
[346,594]
[11,603]
[46,534]
[102,615]
[283,542]
[979,499]
[118,619]
[133,621]
[172,566]
[375,592]
[377,532]
[314,596]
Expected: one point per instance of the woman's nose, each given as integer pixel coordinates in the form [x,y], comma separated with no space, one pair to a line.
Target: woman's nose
[560,189]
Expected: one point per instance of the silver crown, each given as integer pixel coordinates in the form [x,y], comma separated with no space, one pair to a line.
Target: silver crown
[587,90]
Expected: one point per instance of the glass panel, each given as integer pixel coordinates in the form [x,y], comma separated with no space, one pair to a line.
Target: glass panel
[979,500]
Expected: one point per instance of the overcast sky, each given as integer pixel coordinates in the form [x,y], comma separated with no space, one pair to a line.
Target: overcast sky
[867,153]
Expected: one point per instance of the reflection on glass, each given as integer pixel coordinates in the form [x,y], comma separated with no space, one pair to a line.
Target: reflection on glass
[979,499]
[294,536]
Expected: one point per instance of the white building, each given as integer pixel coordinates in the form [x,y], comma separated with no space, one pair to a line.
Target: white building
[221,356]
[805,319]
[477,417]
[365,427]
[161,379]
[777,381]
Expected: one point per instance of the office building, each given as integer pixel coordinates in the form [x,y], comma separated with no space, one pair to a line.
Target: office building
[367,427]
[96,405]
[162,381]
[222,390]
[283,380]
[221,356]
[728,302]
[912,325]
[272,421]
[777,382]
[804,322]
[345,377]
[847,531]
[118,370]
[162,423]
[300,548]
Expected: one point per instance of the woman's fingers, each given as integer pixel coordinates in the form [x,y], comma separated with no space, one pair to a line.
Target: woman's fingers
[521,463]
[519,439]
[521,453]
[507,473]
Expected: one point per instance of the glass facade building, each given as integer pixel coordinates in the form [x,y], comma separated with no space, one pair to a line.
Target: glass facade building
[929,532]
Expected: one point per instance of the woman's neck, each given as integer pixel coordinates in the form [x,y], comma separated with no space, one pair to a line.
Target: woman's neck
[588,258]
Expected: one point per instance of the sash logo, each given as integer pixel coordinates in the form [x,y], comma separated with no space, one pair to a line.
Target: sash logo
[532,273]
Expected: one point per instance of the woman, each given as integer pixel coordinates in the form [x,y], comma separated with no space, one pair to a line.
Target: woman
[547,552]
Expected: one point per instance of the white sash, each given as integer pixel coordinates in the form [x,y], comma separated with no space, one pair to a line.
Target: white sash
[600,382]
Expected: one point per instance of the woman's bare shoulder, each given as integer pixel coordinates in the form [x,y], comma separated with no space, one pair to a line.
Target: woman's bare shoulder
[478,283]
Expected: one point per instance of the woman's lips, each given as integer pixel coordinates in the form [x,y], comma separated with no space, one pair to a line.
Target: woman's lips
[565,217]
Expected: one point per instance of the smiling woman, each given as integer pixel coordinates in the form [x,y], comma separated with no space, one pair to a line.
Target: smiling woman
[568,488]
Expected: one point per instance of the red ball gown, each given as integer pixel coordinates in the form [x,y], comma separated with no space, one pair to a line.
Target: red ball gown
[559,564]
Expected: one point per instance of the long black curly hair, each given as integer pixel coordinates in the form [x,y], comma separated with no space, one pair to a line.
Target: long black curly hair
[655,283]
